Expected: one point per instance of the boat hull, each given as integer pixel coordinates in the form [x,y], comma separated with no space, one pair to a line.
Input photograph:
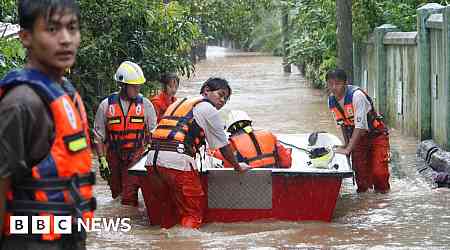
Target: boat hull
[302,192]
[286,196]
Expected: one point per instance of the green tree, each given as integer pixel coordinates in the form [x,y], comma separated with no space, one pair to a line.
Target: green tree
[8,10]
[233,20]
[158,37]
[344,36]
[12,54]
[313,40]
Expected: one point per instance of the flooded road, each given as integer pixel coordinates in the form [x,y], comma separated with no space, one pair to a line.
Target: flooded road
[412,215]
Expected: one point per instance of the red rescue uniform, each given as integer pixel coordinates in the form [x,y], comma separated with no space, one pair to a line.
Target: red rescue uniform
[126,135]
[176,196]
[370,155]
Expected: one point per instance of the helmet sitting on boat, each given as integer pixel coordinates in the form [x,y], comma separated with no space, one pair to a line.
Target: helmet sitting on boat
[237,120]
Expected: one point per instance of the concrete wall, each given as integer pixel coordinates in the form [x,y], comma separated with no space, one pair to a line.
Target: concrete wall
[439,87]
[408,74]
[401,82]
[364,76]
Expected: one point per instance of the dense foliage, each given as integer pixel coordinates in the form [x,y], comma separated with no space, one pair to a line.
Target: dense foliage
[12,55]
[161,37]
[313,38]
[233,20]
[239,19]
[158,37]
[8,11]
[313,41]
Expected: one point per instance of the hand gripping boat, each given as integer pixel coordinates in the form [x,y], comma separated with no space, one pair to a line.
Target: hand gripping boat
[306,191]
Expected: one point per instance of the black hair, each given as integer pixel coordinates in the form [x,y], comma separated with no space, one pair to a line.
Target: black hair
[215,83]
[336,74]
[30,10]
[167,77]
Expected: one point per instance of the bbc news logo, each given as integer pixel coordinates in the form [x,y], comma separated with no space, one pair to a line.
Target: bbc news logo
[63,225]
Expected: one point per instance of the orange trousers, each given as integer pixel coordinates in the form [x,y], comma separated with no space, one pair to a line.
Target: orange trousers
[121,183]
[370,161]
[173,196]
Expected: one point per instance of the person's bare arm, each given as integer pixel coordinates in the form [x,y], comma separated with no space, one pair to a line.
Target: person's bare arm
[344,134]
[100,129]
[230,157]
[348,148]
[100,147]
[209,119]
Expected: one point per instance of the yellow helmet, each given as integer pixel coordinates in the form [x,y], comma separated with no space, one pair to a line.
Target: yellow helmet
[129,73]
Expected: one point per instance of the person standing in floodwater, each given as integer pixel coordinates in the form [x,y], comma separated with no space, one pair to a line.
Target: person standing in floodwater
[366,136]
[122,128]
[177,195]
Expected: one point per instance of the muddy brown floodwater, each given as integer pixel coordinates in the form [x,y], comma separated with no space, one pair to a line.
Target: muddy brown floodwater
[411,216]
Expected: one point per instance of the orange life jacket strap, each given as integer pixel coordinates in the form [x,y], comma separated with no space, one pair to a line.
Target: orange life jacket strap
[174,128]
[255,143]
[170,117]
[341,110]
[259,157]
[176,108]
[259,153]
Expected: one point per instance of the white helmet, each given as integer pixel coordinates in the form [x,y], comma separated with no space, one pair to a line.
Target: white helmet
[129,73]
[236,116]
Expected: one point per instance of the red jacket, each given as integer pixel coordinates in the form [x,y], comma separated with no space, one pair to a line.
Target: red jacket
[161,102]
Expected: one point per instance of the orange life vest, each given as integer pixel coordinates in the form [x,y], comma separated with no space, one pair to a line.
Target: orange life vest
[344,116]
[61,184]
[257,149]
[177,130]
[247,151]
[126,134]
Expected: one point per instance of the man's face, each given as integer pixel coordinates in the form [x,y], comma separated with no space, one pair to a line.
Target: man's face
[52,44]
[133,90]
[218,97]
[337,87]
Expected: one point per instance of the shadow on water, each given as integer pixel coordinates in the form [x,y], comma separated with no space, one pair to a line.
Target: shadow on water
[411,216]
